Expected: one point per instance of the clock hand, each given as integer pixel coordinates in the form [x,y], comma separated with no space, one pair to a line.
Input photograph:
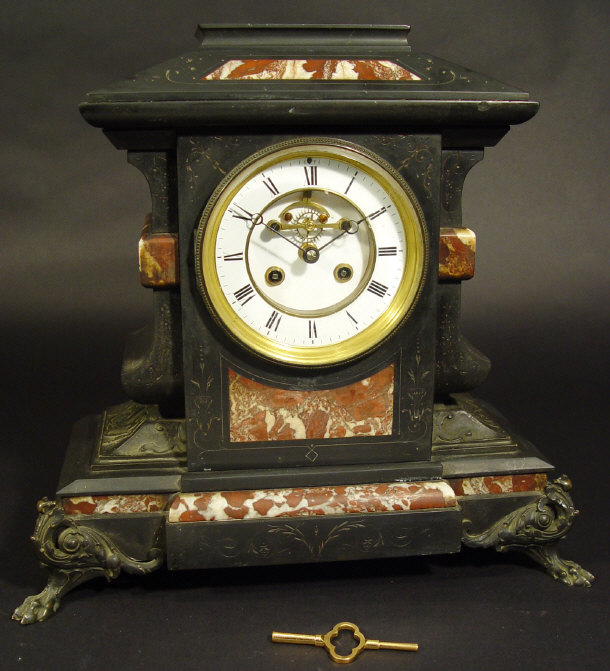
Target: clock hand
[331,240]
[276,231]
[372,215]
[346,227]
[247,216]
[345,224]
[256,219]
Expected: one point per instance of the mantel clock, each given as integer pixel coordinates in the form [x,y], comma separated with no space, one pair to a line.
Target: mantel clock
[302,393]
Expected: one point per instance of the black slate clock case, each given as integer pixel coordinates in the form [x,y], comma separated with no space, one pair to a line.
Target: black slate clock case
[185,133]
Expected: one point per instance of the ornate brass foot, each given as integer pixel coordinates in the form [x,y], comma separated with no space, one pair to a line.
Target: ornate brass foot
[535,530]
[73,553]
[564,570]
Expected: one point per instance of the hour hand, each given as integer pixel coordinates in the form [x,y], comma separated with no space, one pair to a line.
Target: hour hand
[257,220]
[251,218]
[239,212]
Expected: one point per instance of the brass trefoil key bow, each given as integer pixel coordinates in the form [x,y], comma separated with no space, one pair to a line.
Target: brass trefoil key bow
[326,641]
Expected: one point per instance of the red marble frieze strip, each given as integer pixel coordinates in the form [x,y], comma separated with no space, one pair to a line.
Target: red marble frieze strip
[499,484]
[305,69]
[310,501]
[120,503]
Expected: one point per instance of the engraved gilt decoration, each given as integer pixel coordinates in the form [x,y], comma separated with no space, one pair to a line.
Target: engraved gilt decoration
[316,543]
[201,421]
[417,406]
[418,155]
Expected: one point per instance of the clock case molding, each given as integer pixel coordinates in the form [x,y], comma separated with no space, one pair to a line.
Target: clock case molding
[126,468]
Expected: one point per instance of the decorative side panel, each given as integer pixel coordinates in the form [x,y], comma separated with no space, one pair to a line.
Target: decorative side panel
[335,69]
[459,365]
[152,364]
[260,412]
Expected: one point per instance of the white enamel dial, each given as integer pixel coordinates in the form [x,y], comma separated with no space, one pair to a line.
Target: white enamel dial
[311,253]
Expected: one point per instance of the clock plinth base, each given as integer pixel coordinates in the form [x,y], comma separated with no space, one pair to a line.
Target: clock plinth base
[312,524]
[485,487]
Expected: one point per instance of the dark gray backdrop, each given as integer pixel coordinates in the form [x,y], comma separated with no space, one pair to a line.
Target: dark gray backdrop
[71,211]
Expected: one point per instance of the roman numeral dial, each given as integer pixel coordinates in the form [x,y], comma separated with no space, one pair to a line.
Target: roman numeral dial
[271,186]
[377,289]
[310,253]
[274,320]
[311,174]
[245,294]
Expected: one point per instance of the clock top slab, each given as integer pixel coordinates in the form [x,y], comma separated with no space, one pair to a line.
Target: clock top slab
[280,74]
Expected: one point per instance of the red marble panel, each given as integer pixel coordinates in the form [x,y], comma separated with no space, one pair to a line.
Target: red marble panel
[499,484]
[120,503]
[456,254]
[335,69]
[260,412]
[309,501]
[158,258]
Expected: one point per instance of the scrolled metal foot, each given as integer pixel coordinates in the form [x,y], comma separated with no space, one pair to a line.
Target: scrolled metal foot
[535,530]
[565,571]
[73,553]
[40,607]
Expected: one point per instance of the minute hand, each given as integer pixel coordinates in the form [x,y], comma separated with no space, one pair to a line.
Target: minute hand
[372,215]
[349,230]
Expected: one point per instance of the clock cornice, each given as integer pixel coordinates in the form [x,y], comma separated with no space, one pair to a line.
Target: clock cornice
[187,91]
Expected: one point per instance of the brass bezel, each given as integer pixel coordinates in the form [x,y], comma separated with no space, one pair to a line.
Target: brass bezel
[369,338]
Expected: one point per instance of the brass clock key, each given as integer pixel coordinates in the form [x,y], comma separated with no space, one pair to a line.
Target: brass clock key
[326,641]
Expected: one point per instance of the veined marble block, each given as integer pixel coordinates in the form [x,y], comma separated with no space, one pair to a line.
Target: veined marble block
[337,69]
[457,251]
[499,484]
[310,501]
[260,412]
[120,503]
